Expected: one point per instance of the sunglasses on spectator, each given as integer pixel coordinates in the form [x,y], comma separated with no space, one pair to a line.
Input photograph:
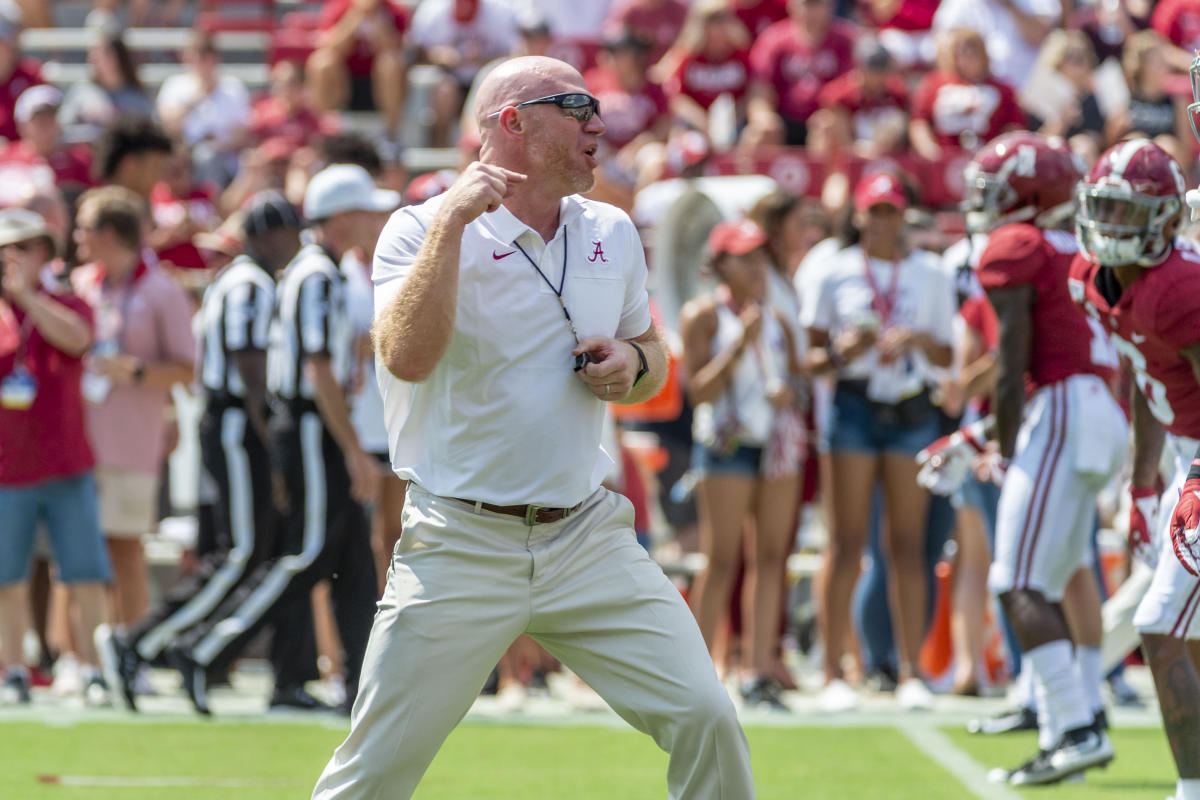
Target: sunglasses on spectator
[573,104]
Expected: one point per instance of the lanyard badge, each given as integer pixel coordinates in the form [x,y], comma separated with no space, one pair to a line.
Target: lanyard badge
[18,390]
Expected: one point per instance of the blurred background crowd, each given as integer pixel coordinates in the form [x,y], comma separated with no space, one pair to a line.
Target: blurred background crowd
[782,111]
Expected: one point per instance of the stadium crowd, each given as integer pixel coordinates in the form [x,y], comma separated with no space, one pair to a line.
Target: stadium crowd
[843,328]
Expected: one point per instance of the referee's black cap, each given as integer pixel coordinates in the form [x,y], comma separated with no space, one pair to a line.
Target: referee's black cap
[269,211]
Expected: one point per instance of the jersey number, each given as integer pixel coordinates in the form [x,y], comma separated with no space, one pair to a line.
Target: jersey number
[1153,390]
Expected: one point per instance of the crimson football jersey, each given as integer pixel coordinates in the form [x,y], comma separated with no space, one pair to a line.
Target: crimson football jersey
[1151,322]
[1064,342]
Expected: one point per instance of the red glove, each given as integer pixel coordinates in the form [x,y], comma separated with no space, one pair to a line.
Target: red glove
[1185,527]
[1142,512]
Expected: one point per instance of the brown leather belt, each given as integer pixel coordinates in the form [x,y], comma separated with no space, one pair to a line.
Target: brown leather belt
[532,514]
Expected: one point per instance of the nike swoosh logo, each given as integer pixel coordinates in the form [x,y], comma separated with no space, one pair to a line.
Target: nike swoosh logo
[498,256]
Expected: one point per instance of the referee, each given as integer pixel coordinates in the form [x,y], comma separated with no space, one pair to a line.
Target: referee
[327,474]
[235,319]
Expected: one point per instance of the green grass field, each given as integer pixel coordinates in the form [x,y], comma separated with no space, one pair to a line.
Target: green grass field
[526,762]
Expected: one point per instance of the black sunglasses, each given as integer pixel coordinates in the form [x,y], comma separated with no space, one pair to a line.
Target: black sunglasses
[574,104]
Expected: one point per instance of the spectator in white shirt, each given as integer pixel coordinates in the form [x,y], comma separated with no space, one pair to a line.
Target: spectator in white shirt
[1012,29]
[210,112]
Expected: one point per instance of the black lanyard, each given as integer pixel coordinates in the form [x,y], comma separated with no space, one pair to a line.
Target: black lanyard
[558,292]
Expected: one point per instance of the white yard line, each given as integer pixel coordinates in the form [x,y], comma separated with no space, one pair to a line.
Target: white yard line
[160,781]
[970,773]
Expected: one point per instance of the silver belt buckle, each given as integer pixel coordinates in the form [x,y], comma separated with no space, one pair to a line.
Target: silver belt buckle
[531,512]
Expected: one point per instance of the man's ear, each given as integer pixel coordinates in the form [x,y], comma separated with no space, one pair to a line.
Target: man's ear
[510,120]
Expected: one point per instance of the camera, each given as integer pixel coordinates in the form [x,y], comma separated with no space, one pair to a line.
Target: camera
[583,359]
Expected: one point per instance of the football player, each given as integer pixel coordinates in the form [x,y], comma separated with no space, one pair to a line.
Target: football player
[1061,439]
[1142,283]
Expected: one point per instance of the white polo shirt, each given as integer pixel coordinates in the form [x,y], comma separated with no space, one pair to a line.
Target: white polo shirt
[503,418]
[924,301]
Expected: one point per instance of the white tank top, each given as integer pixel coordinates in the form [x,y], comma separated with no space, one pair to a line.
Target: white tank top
[763,367]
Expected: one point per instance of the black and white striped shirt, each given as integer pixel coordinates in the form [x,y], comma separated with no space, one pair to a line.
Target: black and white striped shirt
[234,317]
[312,319]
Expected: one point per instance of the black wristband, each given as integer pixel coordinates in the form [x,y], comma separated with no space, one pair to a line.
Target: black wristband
[643,365]
[1194,470]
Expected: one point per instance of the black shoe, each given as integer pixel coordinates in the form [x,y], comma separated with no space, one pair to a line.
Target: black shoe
[195,678]
[763,691]
[1079,749]
[1011,721]
[296,698]
[1100,721]
[118,662]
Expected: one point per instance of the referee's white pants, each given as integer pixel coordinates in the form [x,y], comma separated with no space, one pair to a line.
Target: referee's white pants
[463,585]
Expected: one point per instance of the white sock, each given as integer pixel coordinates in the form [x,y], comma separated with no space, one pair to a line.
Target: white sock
[1059,689]
[1089,668]
[1023,692]
[1188,789]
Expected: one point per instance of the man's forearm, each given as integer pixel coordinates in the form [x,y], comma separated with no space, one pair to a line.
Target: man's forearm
[656,364]
[1148,438]
[414,330]
[58,325]
[331,404]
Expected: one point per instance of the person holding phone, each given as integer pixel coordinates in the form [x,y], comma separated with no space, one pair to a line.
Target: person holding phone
[46,462]
[879,321]
[740,356]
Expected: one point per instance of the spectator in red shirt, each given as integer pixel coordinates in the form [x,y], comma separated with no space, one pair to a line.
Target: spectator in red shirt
[868,105]
[758,15]
[657,21]
[359,63]
[710,58]
[287,111]
[45,459]
[635,114]
[959,105]
[1178,22]
[16,74]
[41,141]
[792,60]
[180,208]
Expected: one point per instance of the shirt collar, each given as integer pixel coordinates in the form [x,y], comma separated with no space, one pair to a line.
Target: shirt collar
[507,227]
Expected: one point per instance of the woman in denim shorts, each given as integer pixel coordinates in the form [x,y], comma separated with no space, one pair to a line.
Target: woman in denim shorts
[740,359]
[879,319]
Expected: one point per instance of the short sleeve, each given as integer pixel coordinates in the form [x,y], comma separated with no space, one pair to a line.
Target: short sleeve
[1014,256]
[816,294]
[247,317]
[941,302]
[922,100]
[762,57]
[174,311]
[315,297]
[1179,323]
[635,312]
[396,252]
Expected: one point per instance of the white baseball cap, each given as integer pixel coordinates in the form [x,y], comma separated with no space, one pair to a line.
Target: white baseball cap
[345,187]
[21,225]
[35,99]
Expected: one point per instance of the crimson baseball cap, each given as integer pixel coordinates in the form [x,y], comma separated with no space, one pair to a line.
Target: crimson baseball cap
[736,237]
[881,187]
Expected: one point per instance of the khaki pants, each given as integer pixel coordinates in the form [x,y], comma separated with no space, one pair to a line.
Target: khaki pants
[463,585]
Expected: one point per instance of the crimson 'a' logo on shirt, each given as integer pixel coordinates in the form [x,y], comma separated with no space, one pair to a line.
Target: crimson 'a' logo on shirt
[598,253]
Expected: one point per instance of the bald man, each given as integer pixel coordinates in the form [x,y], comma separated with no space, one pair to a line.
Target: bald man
[510,311]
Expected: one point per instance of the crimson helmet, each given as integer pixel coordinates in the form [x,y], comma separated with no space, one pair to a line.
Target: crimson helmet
[1020,177]
[1129,205]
